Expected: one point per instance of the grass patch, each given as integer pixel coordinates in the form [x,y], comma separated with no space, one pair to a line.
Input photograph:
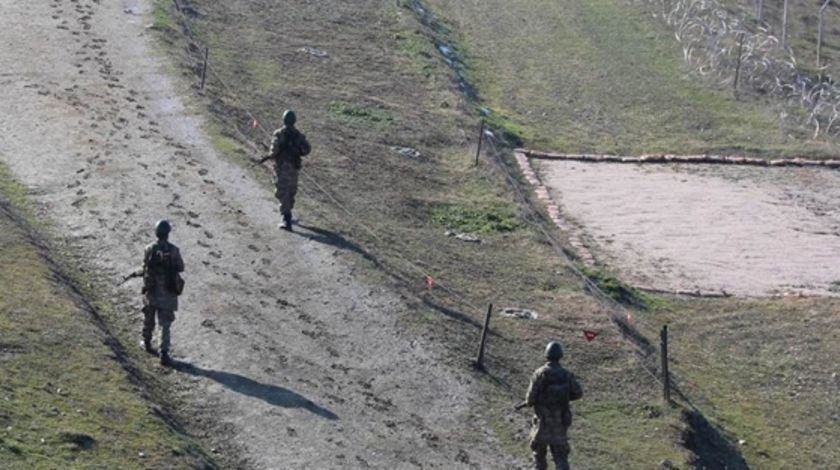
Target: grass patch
[473,220]
[619,291]
[604,77]
[360,115]
[755,365]
[163,20]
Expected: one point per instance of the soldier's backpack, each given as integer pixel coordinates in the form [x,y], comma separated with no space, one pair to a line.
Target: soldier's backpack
[294,144]
[162,260]
[556,394]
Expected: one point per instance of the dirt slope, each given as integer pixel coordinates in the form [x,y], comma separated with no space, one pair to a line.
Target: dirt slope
[289,352]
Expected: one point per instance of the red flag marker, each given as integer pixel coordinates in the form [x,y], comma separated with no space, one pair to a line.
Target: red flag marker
[590,335]
[430,282]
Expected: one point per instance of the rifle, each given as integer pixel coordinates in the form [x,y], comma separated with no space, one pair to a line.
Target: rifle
[137,273]
[520,406]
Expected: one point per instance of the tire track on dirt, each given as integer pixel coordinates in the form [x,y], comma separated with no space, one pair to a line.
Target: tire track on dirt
[295,359]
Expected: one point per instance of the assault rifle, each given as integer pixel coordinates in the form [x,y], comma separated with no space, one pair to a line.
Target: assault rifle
[520,406]
[134,274]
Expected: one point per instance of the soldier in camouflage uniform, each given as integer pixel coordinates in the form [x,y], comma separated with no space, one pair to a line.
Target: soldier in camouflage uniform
[287,148]
[162,284]
[551,390]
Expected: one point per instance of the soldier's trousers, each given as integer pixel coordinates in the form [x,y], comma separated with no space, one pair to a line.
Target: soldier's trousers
[164,318]
[286,184]
[559,452]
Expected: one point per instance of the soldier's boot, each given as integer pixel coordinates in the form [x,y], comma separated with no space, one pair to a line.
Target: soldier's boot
[287,221]
[147,345]
[165,359]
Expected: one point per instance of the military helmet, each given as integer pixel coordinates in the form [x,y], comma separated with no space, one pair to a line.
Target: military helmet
[289,117]
[554,351]
[162,228]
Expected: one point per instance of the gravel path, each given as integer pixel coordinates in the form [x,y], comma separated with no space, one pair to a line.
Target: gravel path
[285,347]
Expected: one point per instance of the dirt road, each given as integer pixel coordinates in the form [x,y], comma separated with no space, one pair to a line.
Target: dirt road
[282,345]
[743,230]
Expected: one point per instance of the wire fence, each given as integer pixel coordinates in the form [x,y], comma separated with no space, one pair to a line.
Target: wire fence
[496,151]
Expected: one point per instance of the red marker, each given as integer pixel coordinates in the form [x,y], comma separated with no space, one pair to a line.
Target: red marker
[254,124]
[590,335]
[430,282]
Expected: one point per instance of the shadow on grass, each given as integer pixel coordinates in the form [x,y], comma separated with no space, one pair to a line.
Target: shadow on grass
[271,394]
[710,447]
[453,314]
[328,237]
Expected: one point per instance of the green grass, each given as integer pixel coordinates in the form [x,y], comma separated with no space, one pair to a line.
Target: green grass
[360,115]
[763,370]
[476,220]
[619,291]
[163,20]
[602,76]
[65,400]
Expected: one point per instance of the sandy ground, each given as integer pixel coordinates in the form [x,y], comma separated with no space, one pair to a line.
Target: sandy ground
[743,230]
[284,347]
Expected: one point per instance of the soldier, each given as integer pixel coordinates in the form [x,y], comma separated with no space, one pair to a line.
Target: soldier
[162,284]
[551,390]
[287,148]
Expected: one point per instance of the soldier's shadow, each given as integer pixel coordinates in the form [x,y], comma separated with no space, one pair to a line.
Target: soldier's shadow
[271,394]
[331,238]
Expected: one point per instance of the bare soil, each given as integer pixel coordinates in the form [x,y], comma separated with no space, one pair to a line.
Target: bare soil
[282,348]
[740,230]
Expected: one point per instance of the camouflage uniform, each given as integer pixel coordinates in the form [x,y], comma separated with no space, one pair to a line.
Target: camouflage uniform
[551,419]
[287,148]
[159,297]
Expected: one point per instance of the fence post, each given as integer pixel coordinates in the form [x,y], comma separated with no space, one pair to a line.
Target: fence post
[204,69]
[479,361]
[738,64]
[820,35]
[480,139]
[784,24]
[666,377]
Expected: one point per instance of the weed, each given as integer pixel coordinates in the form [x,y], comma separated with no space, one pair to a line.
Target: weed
[474,220]
[619,291]
[360,115]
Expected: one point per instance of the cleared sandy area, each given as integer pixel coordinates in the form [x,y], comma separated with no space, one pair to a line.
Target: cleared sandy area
[743,230]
